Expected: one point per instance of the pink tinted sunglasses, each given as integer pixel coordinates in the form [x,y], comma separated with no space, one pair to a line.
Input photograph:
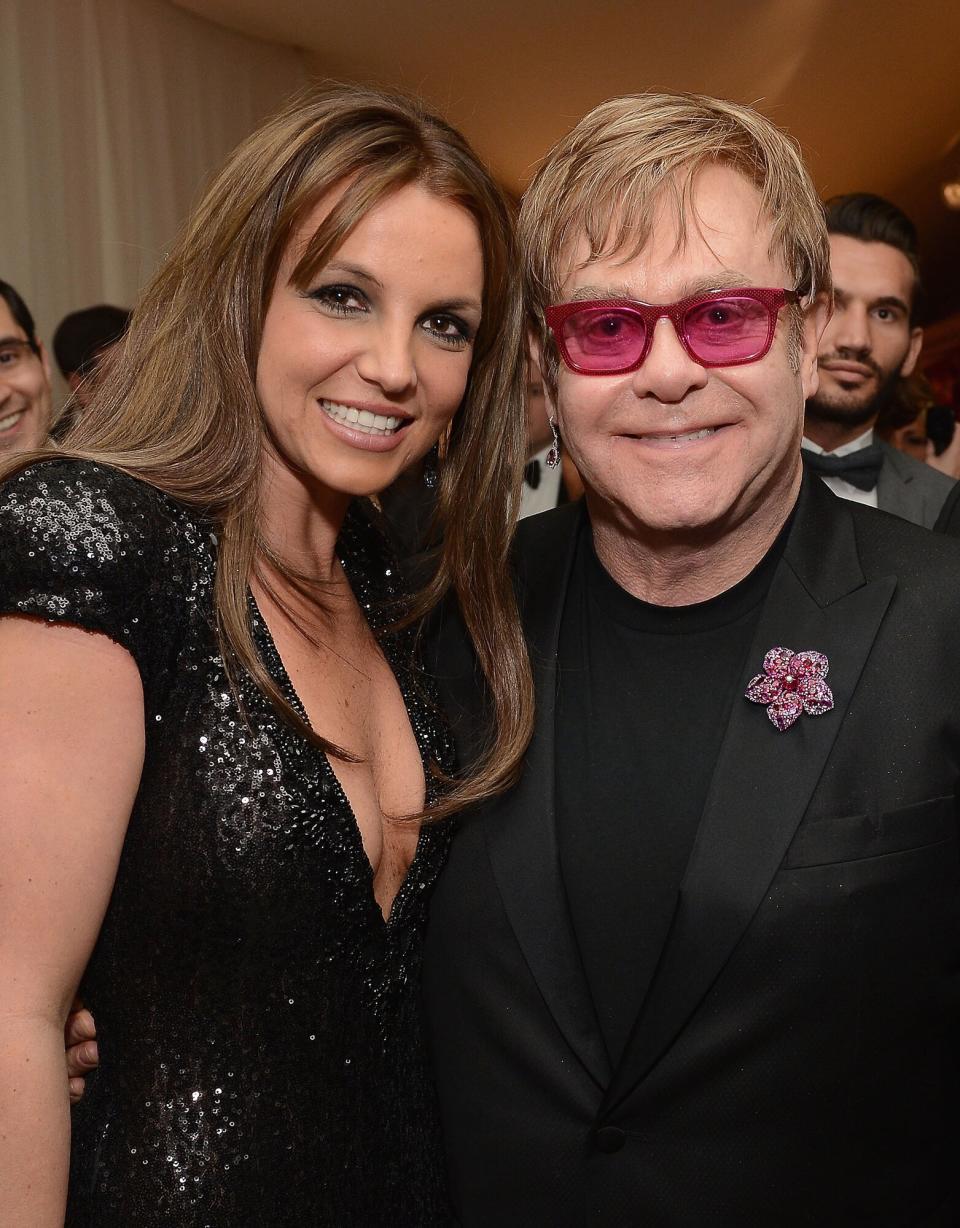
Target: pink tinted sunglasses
[722,328]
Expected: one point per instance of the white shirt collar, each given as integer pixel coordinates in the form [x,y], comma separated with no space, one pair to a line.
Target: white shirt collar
[861,441]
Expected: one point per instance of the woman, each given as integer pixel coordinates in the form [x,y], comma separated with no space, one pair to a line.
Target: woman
[209,717]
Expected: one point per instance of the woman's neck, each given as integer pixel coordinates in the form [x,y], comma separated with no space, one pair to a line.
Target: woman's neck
[301,520]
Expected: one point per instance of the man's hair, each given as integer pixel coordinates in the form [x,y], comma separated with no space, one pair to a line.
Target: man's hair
[21,314]
[872,219]
[605,177]
[82,335]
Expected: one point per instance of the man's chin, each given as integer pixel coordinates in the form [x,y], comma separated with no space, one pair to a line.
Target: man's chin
[843,411]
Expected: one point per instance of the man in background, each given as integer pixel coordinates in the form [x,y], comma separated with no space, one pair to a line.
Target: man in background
[545,486]
[868,350]
[25,396]
[82,343]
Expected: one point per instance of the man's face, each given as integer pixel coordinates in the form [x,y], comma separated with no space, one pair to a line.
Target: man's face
[675,446]
[25,399]
[868,344]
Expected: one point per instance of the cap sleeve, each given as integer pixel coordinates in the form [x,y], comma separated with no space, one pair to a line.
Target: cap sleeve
[85,544]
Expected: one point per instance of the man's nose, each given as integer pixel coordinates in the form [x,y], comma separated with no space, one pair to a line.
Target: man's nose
[388,360]
[848,330]
[668,372]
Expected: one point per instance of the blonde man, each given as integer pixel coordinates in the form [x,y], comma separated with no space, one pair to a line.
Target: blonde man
[699,967]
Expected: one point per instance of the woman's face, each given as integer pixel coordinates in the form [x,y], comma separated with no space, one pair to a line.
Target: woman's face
[360,372]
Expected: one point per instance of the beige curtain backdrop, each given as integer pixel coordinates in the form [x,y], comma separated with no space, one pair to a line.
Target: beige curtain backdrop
[112,113]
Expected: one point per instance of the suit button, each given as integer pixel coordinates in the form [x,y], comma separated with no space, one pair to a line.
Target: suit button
[610,1139]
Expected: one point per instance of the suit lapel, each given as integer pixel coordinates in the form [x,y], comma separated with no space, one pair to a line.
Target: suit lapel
[521,831]
[897,493]
[764,779]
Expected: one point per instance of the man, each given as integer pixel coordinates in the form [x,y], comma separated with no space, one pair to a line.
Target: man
[82,343]
[867,351]
[699,968]
[25,396]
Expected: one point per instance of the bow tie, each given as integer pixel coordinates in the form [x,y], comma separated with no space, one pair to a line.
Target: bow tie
[531,474]
[860,468]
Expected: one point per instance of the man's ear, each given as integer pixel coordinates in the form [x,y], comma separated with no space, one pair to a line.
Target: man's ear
[816,317]
[45,363]
[913,352]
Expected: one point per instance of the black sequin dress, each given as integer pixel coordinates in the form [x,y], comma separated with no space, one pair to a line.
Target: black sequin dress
[261,1056]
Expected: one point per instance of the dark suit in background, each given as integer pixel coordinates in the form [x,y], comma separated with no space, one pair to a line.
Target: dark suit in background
[949,519]
[907,487]
[795,1061]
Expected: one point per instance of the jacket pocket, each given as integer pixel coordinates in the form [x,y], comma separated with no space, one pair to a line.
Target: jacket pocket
[854,837]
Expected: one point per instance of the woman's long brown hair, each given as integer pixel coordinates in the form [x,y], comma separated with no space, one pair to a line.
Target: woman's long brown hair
[179,410]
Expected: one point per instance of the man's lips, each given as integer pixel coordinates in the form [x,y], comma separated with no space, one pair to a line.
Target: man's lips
[10,419]
[686,437]
[844,369]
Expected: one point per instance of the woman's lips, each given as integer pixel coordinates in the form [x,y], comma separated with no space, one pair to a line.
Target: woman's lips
[369,431]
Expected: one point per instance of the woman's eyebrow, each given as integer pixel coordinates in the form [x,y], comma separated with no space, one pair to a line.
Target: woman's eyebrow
[352,270]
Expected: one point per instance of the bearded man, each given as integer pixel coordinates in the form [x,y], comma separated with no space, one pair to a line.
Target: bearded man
[870,346]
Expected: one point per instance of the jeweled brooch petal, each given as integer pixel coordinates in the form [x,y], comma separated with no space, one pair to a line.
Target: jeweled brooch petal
[791,683]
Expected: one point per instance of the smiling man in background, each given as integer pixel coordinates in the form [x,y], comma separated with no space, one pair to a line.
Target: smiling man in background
[870,345]
[25,395]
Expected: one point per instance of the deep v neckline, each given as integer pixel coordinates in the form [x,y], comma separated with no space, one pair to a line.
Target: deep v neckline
[270,655]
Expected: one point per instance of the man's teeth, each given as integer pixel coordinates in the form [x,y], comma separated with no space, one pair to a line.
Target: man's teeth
[11,420]
[707,430]
[361,419]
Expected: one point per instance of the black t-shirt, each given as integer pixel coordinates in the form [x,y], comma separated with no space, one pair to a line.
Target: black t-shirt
[644,697]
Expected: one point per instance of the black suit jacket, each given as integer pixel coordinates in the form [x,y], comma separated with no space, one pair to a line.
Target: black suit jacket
[795,1060]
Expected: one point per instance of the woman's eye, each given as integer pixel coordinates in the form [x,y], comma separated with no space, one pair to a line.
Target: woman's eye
[449,329]
[344,300]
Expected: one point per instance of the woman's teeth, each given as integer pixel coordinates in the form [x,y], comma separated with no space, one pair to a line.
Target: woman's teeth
[9,421]
[361,419]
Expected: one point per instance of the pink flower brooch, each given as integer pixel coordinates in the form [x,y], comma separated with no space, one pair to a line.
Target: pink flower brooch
[791,683]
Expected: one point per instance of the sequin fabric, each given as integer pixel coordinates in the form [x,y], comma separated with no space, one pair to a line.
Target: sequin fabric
[259,1022]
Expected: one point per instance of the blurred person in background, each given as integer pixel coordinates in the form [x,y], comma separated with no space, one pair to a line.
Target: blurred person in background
[82,343]
[26,402]
[550,477]
[869,348]
[902,423]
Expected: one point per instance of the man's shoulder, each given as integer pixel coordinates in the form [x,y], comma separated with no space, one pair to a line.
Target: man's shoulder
[552,532]
[888,544]
[909,469]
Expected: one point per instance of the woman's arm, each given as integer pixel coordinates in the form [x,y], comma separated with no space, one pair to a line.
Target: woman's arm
[71,755]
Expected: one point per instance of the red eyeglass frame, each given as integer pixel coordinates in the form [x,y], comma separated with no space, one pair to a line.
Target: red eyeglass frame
[774,299]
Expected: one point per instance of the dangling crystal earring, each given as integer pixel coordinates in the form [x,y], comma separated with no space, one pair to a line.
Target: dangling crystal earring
[431,464]
[553,456]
